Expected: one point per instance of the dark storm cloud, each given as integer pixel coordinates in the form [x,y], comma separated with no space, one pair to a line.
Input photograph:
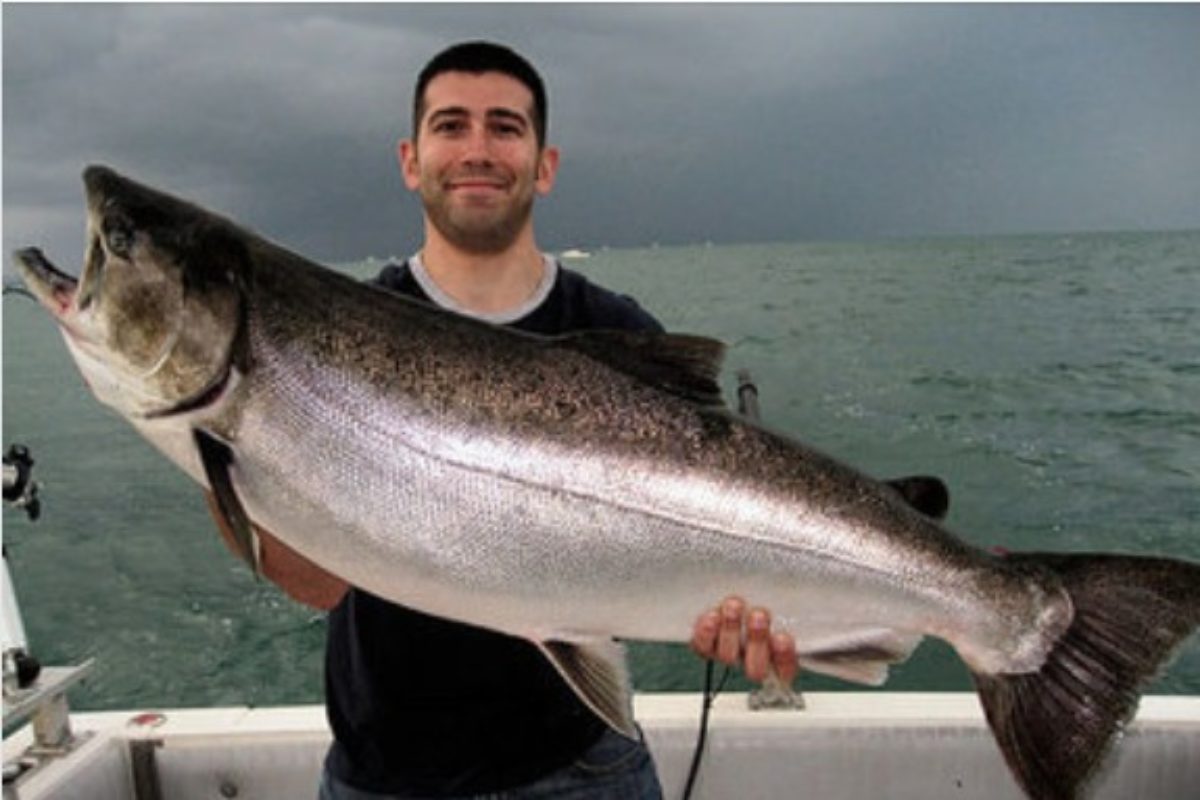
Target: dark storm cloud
[677,123]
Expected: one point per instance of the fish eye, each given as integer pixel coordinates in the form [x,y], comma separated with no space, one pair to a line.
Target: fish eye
[118,237]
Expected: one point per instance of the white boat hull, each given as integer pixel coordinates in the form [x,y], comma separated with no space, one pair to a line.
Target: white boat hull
[848,746]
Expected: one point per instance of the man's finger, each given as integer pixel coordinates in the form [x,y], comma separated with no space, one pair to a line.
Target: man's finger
[729,639]
[783,657]
[757,662]
[704,633]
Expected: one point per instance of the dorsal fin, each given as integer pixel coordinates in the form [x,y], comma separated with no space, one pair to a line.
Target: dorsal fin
[685,365]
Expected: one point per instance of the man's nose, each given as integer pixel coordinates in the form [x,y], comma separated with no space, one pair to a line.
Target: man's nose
[477,147]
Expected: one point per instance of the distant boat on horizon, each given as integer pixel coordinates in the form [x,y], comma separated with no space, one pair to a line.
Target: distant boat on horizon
[575,252]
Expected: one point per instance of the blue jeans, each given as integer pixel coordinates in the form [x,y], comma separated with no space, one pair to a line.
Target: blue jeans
[614,768]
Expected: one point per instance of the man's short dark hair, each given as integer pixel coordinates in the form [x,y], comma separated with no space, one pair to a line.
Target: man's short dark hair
[477,58]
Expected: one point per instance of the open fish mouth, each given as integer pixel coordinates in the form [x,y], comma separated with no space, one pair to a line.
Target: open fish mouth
[52,287]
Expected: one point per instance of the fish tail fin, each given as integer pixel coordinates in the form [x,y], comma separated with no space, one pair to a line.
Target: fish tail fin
[1056,725]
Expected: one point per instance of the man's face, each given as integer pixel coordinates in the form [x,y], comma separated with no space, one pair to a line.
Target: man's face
[476,161]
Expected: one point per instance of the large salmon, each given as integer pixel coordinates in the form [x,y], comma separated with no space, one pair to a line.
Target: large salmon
[573,489]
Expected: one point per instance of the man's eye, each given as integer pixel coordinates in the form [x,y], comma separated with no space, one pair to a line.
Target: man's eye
[448,126]
[503,126]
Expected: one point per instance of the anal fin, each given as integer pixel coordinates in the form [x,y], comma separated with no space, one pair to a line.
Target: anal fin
[861,656]
[597,671]
[216,457]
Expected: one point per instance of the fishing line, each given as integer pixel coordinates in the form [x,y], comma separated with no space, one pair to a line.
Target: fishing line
[710,695]
[747,395]
[18,290]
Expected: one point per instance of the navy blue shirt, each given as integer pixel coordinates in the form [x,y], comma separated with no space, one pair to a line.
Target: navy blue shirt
[423,705]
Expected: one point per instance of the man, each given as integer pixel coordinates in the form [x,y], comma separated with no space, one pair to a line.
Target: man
[425,707]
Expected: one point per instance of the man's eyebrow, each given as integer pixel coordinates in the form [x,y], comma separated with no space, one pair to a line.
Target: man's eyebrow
[508,114]
[449,111]
[492,113]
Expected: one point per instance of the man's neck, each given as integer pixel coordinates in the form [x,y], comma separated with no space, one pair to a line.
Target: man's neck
[485,283]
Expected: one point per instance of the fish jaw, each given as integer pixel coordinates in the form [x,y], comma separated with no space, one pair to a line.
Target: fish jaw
[54,289]
[58,293]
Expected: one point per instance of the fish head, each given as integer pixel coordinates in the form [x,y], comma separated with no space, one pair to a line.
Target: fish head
[154,316]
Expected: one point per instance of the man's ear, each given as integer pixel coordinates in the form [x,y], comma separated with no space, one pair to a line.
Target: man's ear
[406,154]
[547,170]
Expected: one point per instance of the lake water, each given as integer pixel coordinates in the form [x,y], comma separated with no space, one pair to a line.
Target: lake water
[1053,381]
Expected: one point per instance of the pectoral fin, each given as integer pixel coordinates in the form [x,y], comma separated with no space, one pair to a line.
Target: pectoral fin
[216,457]
[596,670]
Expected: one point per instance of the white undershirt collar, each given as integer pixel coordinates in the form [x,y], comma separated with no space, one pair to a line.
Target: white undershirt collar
[504,317]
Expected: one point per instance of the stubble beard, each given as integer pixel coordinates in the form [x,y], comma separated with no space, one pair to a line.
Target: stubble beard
[476,230]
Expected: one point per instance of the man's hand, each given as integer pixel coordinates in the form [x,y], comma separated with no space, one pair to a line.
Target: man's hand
[732,635]
[300,578]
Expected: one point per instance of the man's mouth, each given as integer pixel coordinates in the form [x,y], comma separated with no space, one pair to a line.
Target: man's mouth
[475,187]
[477,183]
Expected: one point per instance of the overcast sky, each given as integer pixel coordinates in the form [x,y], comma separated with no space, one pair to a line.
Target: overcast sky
[677,123]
